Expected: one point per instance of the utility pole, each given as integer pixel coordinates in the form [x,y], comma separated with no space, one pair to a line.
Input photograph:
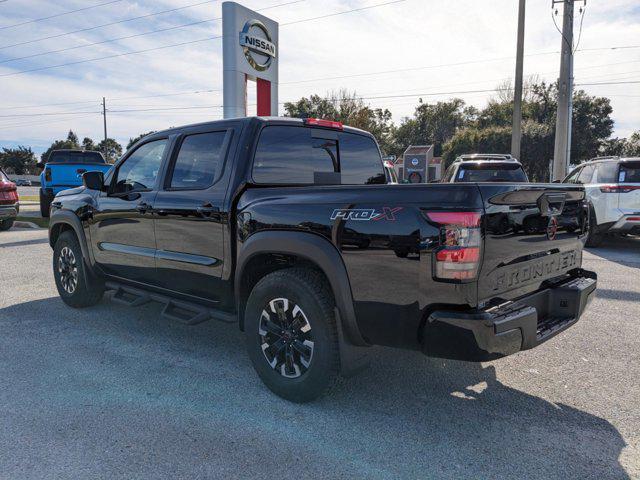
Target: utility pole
[562,149]
[104,117]
[516,134]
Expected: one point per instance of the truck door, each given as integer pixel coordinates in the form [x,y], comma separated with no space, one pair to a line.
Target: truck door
[190,220]
[122,230]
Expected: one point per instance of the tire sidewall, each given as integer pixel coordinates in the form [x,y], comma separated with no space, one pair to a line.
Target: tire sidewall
[319,374]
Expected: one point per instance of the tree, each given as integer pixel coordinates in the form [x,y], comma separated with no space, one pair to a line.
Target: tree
[349,109]
[132,141]
[632,145]
[87,144]
[20,160]
[70,142]
[111,149]
[433,124]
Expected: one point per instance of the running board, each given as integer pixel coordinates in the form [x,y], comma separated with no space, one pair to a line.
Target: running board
[188,313]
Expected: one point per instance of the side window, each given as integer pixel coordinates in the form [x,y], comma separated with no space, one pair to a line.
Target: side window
[360,161]
[140,170]
[199,161]
[605,172]
[449,173]
[290,155]
[573,176]
[586,174]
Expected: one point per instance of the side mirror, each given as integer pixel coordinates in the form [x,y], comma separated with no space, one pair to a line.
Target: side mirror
[93,180]
[557,181]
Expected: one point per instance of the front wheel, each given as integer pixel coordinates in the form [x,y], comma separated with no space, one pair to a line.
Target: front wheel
[291,334]
[76,288]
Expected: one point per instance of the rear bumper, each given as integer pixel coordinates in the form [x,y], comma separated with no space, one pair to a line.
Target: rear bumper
[627,224]
[9,211]
[511,327]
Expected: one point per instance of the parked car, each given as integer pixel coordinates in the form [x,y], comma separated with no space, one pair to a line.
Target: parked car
[287,228]
[9,202]
[485,167]
[612,185]
[63,169]
[23,182]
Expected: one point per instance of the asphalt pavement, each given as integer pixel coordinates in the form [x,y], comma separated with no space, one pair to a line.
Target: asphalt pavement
[116,392]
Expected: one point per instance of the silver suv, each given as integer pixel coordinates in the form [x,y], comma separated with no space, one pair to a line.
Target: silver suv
[613,189]
[485,167]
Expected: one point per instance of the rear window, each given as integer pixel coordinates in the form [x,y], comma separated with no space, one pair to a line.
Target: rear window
[199,161]
[629,172]
[292,155]
[483,172]
[76,157]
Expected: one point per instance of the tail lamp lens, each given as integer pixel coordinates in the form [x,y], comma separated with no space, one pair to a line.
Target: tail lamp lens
[458,256]
[618,188]
[47,175]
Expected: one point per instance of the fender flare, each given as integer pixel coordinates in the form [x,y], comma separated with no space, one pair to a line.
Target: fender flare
[67,217]
[315,249]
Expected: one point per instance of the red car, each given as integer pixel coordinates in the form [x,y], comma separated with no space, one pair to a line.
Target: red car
[9,205]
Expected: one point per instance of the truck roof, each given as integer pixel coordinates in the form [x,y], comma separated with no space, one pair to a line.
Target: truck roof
[259,119]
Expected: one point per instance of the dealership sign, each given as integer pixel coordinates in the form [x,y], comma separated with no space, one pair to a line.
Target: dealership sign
[249,54]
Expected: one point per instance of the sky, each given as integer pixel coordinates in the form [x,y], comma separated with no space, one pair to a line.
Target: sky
[430,49]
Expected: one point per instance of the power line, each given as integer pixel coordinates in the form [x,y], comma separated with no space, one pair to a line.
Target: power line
[59,14]
[126,37]
[187,42]
[107,24]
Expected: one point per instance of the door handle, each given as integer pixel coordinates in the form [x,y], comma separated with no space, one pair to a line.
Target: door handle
[143,207]
[207,209]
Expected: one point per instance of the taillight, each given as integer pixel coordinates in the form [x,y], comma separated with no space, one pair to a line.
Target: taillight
[47,175]
[318,122]
[8,193]
[458,256]
[618,188]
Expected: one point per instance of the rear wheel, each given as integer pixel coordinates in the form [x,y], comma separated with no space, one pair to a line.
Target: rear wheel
[594,238]
[74,285]
[45,204]
[291,334]
[6,224]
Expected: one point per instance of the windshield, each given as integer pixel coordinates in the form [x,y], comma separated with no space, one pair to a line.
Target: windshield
[3,177]
[76,157]
[485,172]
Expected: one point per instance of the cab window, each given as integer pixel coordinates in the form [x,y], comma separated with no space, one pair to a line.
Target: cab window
[140,170]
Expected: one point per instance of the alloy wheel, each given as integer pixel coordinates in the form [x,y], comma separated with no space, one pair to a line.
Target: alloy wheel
[286,337]
[68,270]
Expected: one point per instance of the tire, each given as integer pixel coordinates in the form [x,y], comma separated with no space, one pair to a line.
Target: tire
[45,204]
[74,285]
[307,320]
[6,224]
[595,238]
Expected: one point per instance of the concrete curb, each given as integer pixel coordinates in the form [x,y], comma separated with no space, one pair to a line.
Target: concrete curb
[20,224]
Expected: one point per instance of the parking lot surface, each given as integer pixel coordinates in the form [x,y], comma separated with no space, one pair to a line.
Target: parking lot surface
[115,392]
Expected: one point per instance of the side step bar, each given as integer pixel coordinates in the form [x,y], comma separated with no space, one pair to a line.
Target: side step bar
[188,313]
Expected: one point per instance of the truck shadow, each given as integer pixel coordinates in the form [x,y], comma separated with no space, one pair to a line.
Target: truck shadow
[622,250]
[407,416]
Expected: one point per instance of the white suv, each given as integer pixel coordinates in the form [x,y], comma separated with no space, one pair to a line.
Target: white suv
[613,189]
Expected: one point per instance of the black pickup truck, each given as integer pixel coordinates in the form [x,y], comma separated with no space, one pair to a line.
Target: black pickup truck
[288,228]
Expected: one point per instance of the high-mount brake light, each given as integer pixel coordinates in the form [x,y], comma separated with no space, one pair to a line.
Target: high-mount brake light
[318,122]
[458,257]
[618,188]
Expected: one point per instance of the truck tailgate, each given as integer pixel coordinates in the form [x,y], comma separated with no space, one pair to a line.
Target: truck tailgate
[533,233]
[70,174]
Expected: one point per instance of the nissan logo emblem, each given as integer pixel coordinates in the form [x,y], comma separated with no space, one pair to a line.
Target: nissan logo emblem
[259,50]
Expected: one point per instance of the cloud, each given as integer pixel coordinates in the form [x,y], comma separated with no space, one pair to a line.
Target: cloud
[408,35]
